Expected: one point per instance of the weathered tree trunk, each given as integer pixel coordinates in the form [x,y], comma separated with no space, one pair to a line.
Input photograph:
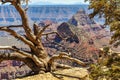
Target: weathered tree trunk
[37,58]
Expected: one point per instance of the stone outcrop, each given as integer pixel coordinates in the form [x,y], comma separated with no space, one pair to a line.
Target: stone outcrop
[83,36]
[67,74]
[81,18]
[95,31]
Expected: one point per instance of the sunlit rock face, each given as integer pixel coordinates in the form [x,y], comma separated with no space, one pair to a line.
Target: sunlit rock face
[83,36]
[65,31]
[81,18]
[93,29]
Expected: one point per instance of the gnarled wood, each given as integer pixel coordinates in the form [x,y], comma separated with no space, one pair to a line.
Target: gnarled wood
[16,35]
[35,29]
[37,58]
[33,57]
[13,26]
[25,23]
[41,31]
[46,34]
[19,57]
[64,55]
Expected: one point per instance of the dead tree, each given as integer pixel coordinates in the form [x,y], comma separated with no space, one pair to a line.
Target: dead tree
[37,58]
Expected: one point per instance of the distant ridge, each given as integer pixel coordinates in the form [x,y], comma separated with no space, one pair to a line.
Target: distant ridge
[37,13]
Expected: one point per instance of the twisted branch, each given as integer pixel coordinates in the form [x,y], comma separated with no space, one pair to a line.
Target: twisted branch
[12,56]
[36,29]
[18,57]
[41,31]
[16,35]
[33,57]
[46,34]
[25,23]
[64,55]
[13,26]
[17,5]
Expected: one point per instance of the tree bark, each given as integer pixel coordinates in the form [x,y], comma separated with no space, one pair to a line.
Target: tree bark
[37,58]
[19,57]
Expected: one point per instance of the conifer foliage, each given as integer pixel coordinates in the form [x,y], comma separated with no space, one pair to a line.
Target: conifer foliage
[110,10]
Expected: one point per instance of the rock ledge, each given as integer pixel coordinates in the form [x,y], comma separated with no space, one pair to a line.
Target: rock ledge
[66,74]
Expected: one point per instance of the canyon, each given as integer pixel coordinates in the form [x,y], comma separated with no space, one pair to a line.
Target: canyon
[83,36]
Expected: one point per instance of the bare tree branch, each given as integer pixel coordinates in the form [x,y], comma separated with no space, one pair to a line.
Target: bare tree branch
[46,34]
[36,28]
[18,57]
[25,23]
[11,56]
[17,5]
[41,31]
[26,9]
[64,55]
[63,66]
[33,57]
[16,35]
[12,26]
[14,49]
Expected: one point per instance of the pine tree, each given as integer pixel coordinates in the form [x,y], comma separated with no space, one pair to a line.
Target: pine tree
[110,10]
